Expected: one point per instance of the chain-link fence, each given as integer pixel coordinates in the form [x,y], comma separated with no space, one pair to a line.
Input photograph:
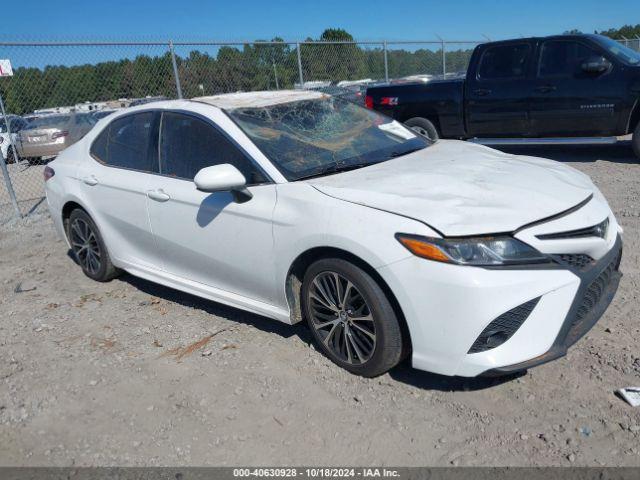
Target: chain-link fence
[60,89]
[633,43]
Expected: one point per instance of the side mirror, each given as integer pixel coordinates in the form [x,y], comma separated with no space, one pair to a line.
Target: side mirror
[596,64]
[223,178]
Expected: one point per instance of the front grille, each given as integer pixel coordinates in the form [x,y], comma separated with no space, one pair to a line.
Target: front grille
[503,327]
[599,230]
[594,292]
[576,260]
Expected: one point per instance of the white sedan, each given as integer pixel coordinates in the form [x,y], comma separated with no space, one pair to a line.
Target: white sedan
[299,206]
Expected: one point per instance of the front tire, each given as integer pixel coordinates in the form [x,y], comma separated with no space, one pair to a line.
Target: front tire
[350,317]
[423,127]
[635,140]
[88,247]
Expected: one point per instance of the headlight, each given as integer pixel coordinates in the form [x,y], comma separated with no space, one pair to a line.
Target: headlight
[481,251]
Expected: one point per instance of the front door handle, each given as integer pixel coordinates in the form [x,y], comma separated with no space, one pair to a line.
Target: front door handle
[481,92]
[158,195]
[546,88]
[90,180]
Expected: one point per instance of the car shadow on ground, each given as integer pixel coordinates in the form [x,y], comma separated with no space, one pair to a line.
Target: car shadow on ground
[619,153]
[213,308]
[431,381]
[403,373]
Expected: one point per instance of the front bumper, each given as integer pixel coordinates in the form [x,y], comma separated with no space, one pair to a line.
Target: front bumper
[598,286]
[447,307]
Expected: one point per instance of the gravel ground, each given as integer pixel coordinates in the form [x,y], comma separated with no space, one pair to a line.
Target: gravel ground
[130,373]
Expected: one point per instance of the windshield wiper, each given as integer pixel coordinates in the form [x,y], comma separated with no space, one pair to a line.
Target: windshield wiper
[336,168]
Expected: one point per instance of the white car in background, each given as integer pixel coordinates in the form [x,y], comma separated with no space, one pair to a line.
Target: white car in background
[16,123]
[296,205]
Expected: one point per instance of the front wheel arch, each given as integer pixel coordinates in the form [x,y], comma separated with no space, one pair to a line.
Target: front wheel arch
[303,261]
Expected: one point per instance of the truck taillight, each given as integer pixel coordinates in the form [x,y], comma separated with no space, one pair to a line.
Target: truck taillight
[63,133]
[368,101]
[48,173]
[389,101]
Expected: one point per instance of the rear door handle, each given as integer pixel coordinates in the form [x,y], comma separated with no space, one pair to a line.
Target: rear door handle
[481,92]
[546,88]
[90,180]
[158,195]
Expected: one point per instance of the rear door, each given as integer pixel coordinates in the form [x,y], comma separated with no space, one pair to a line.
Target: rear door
[498,94]
[566,101]
[125,155]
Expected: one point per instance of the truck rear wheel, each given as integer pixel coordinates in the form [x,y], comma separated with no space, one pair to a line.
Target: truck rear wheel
[635,140]
[423,127]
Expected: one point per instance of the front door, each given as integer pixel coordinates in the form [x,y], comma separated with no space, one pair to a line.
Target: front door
[211,238]
[567,101]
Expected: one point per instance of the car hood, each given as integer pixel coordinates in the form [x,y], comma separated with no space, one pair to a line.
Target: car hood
[460,188]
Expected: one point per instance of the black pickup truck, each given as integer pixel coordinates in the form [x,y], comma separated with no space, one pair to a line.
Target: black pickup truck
[560,89]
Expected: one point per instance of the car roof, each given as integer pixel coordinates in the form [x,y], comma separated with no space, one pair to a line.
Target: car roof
[227,101]
[571,36]
[258,99]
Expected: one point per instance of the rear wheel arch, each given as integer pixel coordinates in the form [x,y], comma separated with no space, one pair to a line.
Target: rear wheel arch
[69,207]
[303,261]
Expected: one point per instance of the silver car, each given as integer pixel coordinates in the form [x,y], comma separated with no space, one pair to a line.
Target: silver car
[47,136]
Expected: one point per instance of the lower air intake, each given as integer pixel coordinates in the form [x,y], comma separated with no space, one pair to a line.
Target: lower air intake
[503,327]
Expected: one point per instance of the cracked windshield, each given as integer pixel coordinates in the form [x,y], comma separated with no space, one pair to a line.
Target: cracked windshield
[324,135]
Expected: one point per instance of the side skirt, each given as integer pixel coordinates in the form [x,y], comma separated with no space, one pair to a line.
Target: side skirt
[207,292]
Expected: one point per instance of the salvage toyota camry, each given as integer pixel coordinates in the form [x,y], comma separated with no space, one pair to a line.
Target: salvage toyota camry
[299,206]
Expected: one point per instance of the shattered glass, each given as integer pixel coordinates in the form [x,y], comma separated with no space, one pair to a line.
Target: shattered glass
[303,138]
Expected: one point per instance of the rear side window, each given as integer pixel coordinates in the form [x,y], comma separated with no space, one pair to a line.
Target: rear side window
[188,144]
[129,142]
[563,58]
[504,61]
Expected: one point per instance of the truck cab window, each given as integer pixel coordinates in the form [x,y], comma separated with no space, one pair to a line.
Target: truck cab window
[504,61]
[563,58]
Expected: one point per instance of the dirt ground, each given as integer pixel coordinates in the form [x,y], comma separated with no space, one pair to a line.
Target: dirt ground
[130,373]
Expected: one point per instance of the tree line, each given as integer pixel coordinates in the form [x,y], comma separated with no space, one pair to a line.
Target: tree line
[253,66]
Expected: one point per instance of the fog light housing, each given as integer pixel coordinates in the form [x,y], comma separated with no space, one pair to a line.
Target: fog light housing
[502,328]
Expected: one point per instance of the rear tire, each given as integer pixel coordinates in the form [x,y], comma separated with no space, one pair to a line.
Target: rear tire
[423,127]
[10,156]
[635,140]
[350,317]
[88,247]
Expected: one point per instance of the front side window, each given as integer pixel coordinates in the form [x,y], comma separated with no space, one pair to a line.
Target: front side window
[189,144]
[129,142]
[323,135]
[504,61]
[563,58]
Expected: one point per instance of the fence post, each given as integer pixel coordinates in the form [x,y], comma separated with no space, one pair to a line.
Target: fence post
[300,65]
[444,60]
[386,63]
[3,165]
[175,70]
[275,74]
